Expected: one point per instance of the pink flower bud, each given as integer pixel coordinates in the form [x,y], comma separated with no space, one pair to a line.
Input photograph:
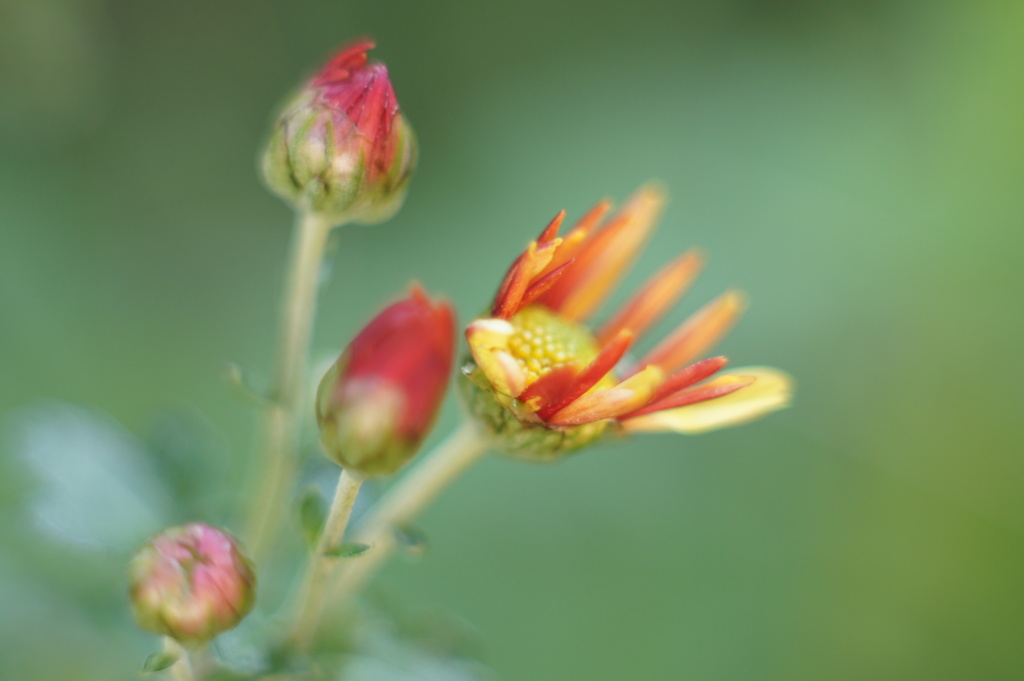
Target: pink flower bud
[377,402]
[341,148]
[191,583]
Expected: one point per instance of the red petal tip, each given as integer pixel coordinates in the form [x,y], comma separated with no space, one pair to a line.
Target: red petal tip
[551,231]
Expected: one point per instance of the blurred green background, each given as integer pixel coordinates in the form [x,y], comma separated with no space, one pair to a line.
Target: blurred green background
[855,166]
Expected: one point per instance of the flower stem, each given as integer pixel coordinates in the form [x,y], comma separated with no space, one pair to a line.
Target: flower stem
[311,595]
[404,501]
[282,417]
[181,670]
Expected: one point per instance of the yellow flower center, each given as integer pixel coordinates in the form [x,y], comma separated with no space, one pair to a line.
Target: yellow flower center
[544,341]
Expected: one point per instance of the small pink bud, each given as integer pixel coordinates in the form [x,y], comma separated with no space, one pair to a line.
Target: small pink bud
[191,583]
[377,402]
[341,148]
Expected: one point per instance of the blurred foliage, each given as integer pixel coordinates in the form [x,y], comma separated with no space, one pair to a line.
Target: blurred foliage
[853,165]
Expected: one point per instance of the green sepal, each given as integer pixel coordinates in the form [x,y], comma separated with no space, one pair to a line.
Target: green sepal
[157,662]
[347,550]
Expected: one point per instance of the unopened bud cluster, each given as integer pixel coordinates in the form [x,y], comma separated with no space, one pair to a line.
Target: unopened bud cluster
[341,148]
[191,583]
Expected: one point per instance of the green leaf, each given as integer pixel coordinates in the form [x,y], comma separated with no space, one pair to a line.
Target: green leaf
[312,512]
[348,550]
[96,485]
[412,539]
[159,661]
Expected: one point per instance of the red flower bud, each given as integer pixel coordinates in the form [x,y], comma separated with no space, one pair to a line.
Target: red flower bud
[342,148]
[377,402]
[191,583]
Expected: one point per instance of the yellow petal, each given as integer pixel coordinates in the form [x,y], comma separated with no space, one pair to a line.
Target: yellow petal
[772,391]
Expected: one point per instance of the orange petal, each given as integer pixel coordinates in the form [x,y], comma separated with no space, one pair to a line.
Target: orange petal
[508,301]
[605,361]
[772,390]
[703,330]
[515,272]
[655,298]
[603,258]
[579,233]
[624,398]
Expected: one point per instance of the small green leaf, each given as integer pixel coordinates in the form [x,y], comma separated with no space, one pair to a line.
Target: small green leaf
[159,661]
[245,386]
[312,511]
[412,539]
[348,550]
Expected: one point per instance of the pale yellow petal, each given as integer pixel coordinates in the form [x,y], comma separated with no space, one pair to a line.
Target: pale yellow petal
[488,343]
[489,333]
[772,391]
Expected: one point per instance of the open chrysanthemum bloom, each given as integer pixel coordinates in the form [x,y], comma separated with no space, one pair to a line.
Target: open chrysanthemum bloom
[543,382]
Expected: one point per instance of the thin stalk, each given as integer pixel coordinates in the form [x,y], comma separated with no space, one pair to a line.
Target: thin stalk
[181,670]
[282,418]
[311,594]
[404,501]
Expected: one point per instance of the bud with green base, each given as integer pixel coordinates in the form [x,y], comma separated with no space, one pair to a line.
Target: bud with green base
[341,148]
[375,406]
[191,583]
[378,401]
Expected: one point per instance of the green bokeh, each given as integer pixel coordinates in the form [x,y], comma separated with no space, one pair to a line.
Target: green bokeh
[855,166]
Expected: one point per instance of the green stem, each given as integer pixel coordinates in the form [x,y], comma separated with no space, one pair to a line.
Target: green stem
[181,670]
[404,501]
[280,438]
[311,595]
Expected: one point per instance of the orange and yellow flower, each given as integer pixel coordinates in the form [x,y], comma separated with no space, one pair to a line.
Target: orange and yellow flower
[545,383]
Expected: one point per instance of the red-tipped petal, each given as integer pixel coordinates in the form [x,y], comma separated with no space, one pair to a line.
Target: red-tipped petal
[720,388]
[772,390]
[691,375]
[660,293]
[624,398]
[512,289]
[551,231]
[549,387]
[605,361]
[342,64]
[698,334]
[512,277]
[542,285]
